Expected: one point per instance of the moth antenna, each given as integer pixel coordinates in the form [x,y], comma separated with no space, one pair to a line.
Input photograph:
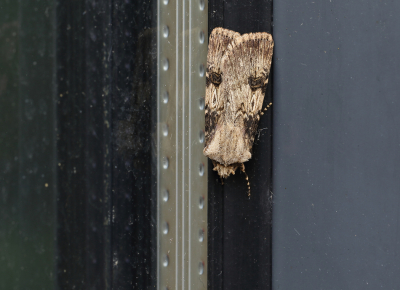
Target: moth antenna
[269,105]
[247,179]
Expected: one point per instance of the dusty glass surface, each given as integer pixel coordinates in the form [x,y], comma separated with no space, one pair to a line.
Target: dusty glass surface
[77,144]
[27,146]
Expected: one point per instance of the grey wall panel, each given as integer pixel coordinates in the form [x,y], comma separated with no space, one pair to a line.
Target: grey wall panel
[336,145]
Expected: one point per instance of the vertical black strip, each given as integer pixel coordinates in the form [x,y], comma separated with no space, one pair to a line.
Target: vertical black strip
[240,228]
[106,74]
[26,83]
[98,141]
[83,151]
[215,14]
[133,113]
[72,199]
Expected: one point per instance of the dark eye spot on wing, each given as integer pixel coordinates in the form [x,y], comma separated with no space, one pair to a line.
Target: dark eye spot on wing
[214,78]
[256,83]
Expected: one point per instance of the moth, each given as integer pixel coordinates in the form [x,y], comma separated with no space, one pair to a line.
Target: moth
[237,73]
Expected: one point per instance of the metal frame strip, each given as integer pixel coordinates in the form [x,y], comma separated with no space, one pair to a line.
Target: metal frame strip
[181,170]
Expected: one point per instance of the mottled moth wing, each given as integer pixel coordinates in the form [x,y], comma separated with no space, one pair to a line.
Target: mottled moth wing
[244,67]
[217,45]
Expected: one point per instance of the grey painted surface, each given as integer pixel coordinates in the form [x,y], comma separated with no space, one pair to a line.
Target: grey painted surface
[336,145]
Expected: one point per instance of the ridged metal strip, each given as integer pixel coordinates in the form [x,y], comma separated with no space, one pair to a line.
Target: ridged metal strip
[182,170]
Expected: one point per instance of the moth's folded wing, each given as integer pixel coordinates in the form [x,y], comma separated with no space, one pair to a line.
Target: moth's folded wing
[217,44]
[245,65]
[260,47]
[247,62]
[214,101]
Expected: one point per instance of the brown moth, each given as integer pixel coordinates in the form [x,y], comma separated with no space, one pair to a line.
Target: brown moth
[238,67]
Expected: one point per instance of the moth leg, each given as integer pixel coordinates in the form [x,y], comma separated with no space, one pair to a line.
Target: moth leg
[247,179]
[269,105]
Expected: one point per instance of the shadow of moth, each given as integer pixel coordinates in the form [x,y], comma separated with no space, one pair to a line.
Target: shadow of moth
[238,67]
